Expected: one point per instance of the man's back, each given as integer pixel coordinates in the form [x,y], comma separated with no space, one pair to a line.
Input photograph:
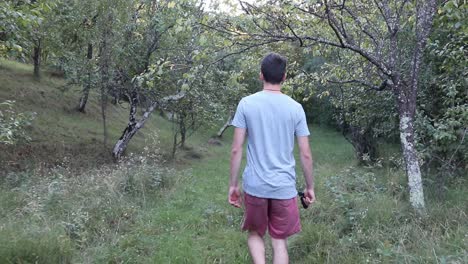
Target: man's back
[272,121]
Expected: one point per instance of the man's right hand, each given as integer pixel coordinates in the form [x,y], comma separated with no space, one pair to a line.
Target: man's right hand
[309,196]
[234,196]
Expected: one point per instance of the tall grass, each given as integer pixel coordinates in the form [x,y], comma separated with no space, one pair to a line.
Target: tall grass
[55,216]
[141,211]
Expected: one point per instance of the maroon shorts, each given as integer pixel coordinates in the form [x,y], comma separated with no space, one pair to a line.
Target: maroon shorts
[280,216]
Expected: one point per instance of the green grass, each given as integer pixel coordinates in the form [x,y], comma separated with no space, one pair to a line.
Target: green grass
[77,210]
[60,131]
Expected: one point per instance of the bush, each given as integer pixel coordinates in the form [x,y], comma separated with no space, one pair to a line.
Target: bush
[13,124]
[362,217]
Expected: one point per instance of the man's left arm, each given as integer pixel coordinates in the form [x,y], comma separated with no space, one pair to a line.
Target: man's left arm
[234,196]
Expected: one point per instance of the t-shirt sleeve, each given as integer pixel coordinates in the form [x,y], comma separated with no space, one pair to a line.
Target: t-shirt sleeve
[239,117]
[301,129]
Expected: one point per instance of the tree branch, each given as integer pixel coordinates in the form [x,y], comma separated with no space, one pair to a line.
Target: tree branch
[381,87]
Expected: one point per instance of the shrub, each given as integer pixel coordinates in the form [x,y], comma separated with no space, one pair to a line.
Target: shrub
[13,124]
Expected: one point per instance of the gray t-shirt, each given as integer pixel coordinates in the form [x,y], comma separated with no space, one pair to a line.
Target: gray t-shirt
[272,121]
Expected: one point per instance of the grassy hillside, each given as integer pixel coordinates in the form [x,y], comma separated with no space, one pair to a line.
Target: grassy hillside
[82,209]
[59,132]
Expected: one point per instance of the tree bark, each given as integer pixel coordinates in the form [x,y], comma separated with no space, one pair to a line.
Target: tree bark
[225,126]
[174,145]
[416,194]
[85,95]
[105,79]
[130,130]
[183,129]
[37,58]
[406,99]
[133,125]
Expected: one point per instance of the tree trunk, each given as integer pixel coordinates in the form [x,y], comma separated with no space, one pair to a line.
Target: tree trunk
[103,113]
[225,126]
[37,58]
[104,65]
[130,130]
[363,142]
[133,126]
[84,98]
[85,95]
[183,130]
[416,194]
[406,99]
[174,145]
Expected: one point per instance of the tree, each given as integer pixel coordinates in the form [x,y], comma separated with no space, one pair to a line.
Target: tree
[442,115]
[17,20]
[378,32]
[141,79]
[44,11]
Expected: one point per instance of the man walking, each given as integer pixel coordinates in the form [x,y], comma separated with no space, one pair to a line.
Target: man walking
[270,120]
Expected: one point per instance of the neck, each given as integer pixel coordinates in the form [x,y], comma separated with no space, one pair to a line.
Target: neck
[272,88]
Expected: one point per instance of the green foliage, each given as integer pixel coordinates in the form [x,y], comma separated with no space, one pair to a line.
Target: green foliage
[443,109]
[12,124]
[15,19]
[363,218]
[23,23]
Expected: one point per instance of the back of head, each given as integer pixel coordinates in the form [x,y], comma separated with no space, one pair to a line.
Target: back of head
[273,68]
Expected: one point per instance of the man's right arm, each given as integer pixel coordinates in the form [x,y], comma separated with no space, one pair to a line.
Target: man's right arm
[307,166]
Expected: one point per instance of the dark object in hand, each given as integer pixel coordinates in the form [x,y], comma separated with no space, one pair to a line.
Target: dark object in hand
[302,196]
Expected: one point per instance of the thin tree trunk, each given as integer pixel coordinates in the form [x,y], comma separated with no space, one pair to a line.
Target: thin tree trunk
[103,113]
[104,65]
[37,58]
[84,98]
[130,130]
[133,125]
[225,126]
[174,145]
[85,95]
[183,130]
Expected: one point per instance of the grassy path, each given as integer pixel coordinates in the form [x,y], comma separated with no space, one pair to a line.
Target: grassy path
[62,202]
[194,223]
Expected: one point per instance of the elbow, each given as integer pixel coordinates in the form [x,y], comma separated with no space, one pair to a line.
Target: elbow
[236,151]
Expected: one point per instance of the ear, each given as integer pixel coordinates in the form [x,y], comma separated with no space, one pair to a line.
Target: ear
[284,78]
[261,77]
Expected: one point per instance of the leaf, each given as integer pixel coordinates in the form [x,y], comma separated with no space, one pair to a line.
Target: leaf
[171,4]
[202,40]
[185,87]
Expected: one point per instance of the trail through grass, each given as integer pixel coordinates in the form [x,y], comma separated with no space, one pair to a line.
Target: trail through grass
[61,201]
[193,223]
